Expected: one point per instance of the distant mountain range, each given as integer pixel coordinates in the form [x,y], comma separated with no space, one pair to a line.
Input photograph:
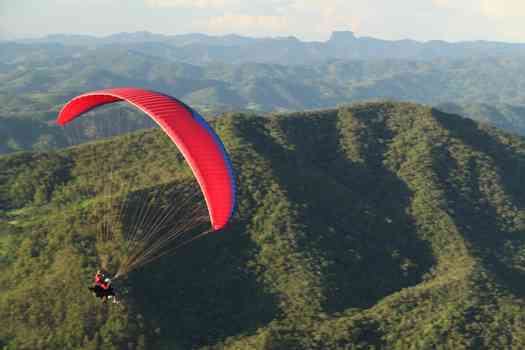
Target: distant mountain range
[203,49]
[216,74]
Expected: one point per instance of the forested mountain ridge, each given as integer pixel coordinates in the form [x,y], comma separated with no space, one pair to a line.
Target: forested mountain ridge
[375,226]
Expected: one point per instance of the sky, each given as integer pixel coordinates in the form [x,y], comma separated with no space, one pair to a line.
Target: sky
[310,20]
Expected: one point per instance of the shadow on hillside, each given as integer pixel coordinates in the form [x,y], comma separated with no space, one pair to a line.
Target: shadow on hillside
[480,227]
[354,214]
[203,293]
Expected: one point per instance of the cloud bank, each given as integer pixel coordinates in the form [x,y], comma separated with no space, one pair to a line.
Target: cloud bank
[306,19]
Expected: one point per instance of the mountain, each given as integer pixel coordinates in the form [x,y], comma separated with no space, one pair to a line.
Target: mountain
[204,49]
[36,80]
[37,77]
[49,77]
[375,226]
[504,116]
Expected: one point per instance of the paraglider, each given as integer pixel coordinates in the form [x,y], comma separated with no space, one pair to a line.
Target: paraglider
[201,148]
[102,288]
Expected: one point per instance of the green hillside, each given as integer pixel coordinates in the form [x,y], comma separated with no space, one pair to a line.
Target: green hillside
[504,116]
[375,226]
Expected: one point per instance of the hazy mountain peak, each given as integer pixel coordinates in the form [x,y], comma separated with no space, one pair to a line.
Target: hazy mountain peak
[342,36]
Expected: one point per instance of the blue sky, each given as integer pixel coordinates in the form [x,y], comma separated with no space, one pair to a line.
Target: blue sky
[451,20]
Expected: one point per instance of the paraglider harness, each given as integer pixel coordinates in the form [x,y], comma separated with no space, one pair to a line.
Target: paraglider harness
[102,288]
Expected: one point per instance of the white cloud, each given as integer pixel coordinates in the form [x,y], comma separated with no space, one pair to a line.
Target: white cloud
[503,18]
[321,17]
[206,4]
[314,19]
[308,19]
[232,22]
[496,9]
[504,8]
[82,2]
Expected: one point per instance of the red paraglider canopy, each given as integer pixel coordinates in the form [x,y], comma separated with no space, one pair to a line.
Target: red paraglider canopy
[200,146]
